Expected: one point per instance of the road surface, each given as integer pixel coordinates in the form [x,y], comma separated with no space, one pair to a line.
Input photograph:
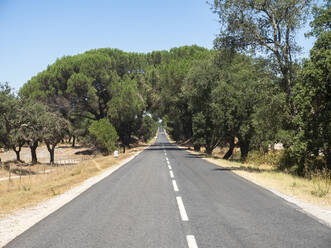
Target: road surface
[167,197]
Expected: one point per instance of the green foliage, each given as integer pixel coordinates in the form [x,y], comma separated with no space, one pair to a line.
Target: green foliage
[148,128]
[10,137]
[124,108]
[212,98]
[322,19]
[31,119]
[312,100]
[169,96]
[199,84]
[269,26]
[54,129]
[241,93]
[104,135]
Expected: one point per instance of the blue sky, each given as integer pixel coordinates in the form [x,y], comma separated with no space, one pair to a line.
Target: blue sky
[36,32]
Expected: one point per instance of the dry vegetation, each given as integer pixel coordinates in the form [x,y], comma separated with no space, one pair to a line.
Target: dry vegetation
[20,192]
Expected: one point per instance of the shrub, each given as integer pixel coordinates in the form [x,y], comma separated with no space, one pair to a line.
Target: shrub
[104,135]
[270,158]
[322,182]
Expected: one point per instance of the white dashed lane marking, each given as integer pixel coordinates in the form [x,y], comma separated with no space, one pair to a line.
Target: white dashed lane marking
[175,185]
[182,210]
[191,241]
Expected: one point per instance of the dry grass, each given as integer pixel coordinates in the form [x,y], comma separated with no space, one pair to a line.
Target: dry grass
[30,190]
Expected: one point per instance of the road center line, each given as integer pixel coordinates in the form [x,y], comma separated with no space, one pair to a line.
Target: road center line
[168,162]
[182,210]
[175,185]
[167,159]
[171,174]
[169,166]
[191,241]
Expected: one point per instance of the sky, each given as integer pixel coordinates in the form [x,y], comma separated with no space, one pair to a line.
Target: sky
[34,33]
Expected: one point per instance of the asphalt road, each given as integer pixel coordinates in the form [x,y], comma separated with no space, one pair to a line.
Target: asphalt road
[167,197]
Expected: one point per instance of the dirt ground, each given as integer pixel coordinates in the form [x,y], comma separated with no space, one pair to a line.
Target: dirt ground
[64,154]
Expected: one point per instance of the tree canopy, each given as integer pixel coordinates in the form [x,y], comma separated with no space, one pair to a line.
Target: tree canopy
[227,96]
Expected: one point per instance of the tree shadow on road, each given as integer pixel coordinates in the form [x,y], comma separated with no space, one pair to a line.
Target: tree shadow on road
[243,168]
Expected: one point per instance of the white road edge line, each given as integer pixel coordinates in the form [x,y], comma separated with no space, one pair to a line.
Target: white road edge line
[182,210]
[175,185]
[191,241]
[171,174]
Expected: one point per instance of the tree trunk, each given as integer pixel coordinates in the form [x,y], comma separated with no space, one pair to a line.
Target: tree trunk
[73,141]
[33,149]
[197,148]
[51,149]
[244,149]
[51,153]
[228,154]
[209,150]
[18,150]
[18,158]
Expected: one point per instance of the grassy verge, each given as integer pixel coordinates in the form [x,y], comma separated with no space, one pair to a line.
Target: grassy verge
[30,190]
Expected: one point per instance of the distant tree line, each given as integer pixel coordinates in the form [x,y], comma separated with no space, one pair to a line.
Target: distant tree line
[226,96]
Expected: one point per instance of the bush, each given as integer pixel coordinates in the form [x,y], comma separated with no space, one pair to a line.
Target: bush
[272,158]
[104,135]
